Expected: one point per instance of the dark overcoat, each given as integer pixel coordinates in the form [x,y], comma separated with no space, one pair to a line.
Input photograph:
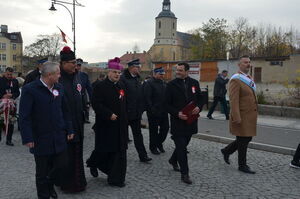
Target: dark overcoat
[111,136]
[33,75]
[177,97]
[11,84]
[220,86]
[134,96]
[44,118]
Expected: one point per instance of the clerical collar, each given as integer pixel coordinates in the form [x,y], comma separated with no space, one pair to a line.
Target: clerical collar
[50,89]
[112,81]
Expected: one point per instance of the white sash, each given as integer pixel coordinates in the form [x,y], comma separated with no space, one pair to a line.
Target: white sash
[248,81]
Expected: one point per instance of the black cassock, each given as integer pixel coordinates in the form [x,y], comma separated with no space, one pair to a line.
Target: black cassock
[109,155]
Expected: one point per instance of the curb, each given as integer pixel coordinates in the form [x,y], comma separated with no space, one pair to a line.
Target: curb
[252,145]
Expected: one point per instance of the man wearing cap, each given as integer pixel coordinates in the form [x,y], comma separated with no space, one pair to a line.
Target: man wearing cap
[9,91]
[86,89]
[111,129]
[45,124]
[71,82]
[131,80]
[36,74]
[181,92]
[154,92]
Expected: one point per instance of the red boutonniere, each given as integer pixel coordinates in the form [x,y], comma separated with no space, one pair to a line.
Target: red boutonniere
[193,89]
[122,93]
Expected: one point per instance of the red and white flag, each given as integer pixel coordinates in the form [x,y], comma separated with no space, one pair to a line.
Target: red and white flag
[63,35]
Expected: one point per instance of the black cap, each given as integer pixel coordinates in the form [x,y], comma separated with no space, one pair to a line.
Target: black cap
[79,61]
[135,62]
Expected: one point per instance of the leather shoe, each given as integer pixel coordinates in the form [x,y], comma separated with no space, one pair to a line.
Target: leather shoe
[145,159]
[161,149]
[174,165]
[94,172]
[225,156]
[246,169]
[210,117]
[122,184]
[186,179]
[9,143]
[53,193]
[155,152]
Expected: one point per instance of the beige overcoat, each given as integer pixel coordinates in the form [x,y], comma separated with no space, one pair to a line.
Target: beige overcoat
[243,108]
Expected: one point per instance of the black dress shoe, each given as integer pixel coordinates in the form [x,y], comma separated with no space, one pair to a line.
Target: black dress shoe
[129,141]
[161,149]
[246,169]
[155,152]
[87,121]
[225,156]
[94,172]
[210,117]
[145,159]
[9,143]
[52,191]
[186,179]
[174,165]
[122,184]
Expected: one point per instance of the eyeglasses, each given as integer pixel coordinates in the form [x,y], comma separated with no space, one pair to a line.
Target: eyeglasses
[71,62]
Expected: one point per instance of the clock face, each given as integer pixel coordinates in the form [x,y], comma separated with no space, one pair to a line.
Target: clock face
[166,7]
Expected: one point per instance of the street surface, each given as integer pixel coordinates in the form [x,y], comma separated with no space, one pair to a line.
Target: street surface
[212,178]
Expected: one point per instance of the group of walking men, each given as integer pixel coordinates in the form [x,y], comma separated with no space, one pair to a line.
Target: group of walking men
[52,120]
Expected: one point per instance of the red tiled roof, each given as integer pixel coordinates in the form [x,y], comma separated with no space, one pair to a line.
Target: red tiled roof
[131,56]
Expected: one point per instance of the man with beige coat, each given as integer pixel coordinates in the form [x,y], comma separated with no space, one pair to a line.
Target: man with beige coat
[243,114]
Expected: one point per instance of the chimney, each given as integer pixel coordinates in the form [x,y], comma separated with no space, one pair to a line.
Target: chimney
[134,52]
[144,52]
[126,52]
[4,28]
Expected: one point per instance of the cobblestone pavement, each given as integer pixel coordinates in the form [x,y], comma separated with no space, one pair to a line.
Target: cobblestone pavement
[212,178]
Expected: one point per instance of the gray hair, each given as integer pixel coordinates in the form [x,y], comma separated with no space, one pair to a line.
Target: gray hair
[49,67]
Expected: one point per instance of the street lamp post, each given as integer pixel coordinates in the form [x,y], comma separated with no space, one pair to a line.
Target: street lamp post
[74,4]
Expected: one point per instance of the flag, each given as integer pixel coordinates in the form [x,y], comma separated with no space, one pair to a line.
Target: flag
[63,35]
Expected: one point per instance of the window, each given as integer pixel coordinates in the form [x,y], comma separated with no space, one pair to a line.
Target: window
[15,57]
[15,68]
[173,25]
[13,36]
[3,46]
[14,46]
[3,57]
[159,34]
[159,24]
[158,41]
[278,63]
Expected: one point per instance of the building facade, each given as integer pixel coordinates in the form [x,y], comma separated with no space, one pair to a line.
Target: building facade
[11,49]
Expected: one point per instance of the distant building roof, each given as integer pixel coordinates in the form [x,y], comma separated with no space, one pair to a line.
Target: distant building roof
[144,56]
[15,37]
[165,13]
[184,39]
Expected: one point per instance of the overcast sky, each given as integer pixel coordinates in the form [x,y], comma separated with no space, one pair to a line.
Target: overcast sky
[109,28]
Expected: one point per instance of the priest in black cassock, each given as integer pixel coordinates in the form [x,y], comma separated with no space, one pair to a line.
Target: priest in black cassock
[109,103]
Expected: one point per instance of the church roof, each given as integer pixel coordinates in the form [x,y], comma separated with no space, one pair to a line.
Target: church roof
[165,13]
[184,39]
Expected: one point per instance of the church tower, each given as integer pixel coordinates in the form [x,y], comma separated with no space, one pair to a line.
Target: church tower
[166,26]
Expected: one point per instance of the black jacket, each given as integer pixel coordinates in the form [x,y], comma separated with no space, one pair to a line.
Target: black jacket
[134,100]
[33,75]
[220,86]
[177,97]
[154,95]
[11,85]
[72,88]
[111,136]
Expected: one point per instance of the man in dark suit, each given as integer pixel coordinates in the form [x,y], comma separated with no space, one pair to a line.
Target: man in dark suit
[35,74]
[179,93]
[86,89]
[154,92]
[9,89]
[45,125]
[220,94]
[131,80]
[111,128]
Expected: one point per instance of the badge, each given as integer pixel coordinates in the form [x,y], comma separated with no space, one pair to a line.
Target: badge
[79,88]
[55,93]
[122,93]
[193,89]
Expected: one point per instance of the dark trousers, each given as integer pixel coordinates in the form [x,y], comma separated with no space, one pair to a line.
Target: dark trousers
[297,154]
[158,130]
[240,145]
[180,153]
[9,132]
[48,169]
[138,140]
[223,101]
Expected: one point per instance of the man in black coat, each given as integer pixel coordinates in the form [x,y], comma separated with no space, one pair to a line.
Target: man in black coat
[35,74]
[111,128]
[154,92]
[9,89]
[179,93]
[45,127]
[86,89]
[220,94]
[135,107]
[71,82]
